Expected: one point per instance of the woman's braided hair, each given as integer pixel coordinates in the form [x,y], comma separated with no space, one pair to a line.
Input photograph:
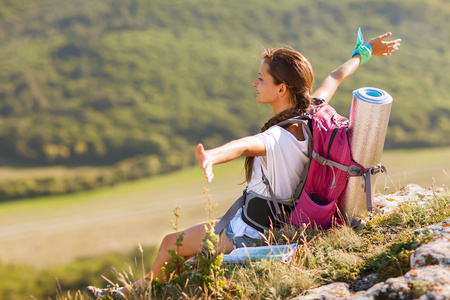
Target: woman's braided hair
[294,70]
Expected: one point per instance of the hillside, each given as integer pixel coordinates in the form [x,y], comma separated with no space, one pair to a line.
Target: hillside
[404,248]
[95,82]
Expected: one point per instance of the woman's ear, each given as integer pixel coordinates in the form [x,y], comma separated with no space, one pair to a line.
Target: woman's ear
[282,89]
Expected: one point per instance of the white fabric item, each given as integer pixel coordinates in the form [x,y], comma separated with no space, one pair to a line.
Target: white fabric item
[283,164]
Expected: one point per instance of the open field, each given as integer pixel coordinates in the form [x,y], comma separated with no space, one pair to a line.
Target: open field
[55,230]
[58,229]
[425,167]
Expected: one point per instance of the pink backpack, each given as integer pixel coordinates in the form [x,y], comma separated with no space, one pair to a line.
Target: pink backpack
[320,192]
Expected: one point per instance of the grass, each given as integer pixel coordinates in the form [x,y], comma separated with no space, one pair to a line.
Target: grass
[383,247]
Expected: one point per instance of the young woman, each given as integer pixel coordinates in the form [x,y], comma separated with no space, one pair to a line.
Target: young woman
[285,82]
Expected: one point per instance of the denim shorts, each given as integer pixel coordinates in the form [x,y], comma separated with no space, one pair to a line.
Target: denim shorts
[239,241]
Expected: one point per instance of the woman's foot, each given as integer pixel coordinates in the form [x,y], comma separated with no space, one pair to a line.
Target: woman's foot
[96,293]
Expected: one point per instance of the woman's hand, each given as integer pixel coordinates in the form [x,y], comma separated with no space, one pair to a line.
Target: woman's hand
[382,48]
[206,162]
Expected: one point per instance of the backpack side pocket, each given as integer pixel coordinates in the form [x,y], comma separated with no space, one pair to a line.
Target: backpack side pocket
[312,212]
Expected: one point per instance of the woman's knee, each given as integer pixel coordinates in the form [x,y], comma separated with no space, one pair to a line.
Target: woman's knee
[191,243]
[168,242]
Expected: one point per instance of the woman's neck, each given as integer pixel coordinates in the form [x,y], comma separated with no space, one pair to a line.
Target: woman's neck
[280,107]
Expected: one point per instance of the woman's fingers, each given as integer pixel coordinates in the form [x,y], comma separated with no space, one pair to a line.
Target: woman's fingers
[205,162]
[384,48]
[200,153]
[385,36]
[393,46]
[208,169]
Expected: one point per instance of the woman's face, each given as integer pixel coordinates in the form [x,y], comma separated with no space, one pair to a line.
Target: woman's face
[266,90]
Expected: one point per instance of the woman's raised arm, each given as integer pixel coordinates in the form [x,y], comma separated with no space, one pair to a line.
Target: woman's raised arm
[379,47]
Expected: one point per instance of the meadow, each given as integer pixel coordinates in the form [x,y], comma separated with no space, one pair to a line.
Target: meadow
[45,234]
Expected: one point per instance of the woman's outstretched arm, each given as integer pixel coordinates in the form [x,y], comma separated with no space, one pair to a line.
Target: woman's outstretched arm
[380,47]
[247,146]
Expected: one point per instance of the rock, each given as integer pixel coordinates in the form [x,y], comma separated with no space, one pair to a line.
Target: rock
[365,283]
[333,291]
[429,277]
[430,282]
[393,288]
[436,252]
[387,203]
[440,229]
[437,293]
[435,275]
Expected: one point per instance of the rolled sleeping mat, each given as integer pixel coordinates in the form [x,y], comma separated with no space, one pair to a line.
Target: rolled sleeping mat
[369,117]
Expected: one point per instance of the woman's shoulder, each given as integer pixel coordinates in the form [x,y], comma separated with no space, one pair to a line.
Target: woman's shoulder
[294,130]
[283,137]
[297,131]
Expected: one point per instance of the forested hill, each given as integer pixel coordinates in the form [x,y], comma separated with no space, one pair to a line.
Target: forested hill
[94,81]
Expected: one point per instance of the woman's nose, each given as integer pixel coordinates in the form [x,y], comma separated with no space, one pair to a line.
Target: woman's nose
[255,84]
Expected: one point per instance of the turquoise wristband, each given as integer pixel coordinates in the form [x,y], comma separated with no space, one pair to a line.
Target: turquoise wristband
[364,50]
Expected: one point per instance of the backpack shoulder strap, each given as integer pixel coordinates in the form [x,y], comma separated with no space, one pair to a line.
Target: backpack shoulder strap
[318,101]
[306,120]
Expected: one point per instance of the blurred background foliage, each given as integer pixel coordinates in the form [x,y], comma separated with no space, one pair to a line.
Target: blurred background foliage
[131,86]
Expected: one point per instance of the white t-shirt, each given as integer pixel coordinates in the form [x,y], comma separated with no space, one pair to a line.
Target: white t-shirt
[283,164]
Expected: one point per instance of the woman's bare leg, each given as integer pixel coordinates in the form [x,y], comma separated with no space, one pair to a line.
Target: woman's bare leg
[192,245]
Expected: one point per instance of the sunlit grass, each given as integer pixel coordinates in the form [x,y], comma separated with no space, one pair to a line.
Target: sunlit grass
[383,247]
